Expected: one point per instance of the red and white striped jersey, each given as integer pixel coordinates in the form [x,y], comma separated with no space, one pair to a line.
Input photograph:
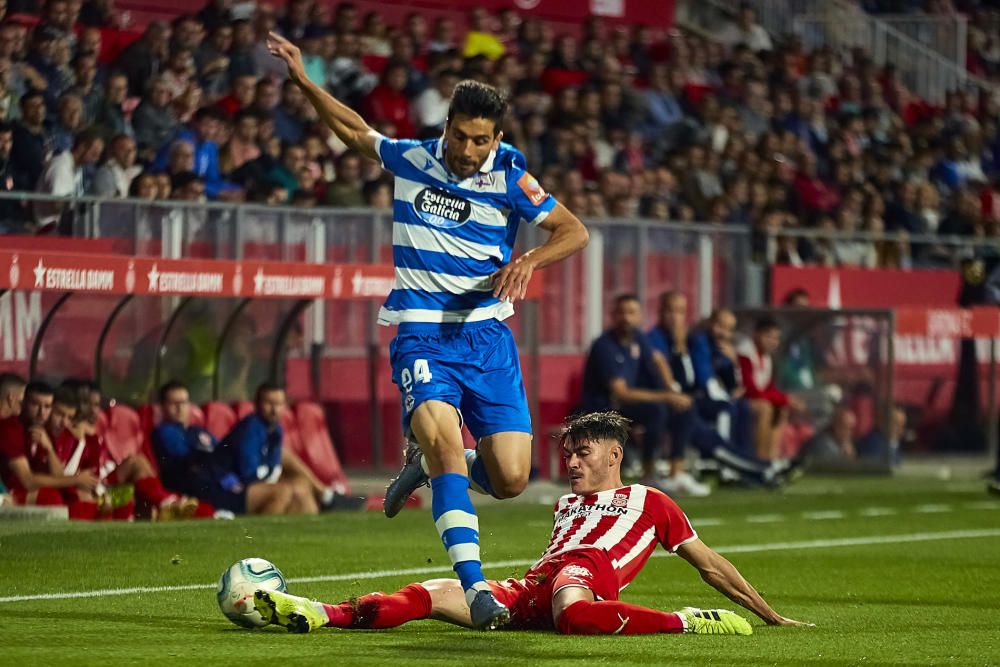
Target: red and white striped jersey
[626,523]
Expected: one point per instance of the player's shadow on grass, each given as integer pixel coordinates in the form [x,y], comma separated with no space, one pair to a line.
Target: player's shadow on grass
[157,621]
[869,600]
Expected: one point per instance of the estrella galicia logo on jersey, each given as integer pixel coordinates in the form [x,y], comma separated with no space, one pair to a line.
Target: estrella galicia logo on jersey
[442,209]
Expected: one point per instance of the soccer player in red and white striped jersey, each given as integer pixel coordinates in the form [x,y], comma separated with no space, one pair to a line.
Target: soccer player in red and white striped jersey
[603,534]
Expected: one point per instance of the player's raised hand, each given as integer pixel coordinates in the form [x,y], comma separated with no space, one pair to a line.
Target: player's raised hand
[279,47]
[511,282]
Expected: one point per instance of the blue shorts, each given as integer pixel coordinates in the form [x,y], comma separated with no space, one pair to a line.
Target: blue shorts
[473,367]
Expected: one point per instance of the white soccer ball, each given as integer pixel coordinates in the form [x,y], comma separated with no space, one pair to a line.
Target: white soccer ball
[237,585]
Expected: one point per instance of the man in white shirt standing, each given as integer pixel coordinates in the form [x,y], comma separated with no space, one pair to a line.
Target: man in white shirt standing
[431,107]
[63,176]
[115,176]
[747,31]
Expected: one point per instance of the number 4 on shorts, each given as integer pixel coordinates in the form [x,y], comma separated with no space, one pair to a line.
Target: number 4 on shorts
[421,373]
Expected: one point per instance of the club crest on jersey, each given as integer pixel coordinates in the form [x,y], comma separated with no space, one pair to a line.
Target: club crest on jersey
[577,572]
[441,209]
[620,500]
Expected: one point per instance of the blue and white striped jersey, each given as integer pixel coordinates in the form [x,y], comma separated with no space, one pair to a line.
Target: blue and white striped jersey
[449,235]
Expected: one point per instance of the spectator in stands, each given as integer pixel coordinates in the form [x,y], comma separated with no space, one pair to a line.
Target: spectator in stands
[144,186]
[348,79]
[835,443]
[286,174]
[31,469]
[388,101]
[154,119]
[114,178]
[32,146]
[878,446]
[179,72]
[242,146]
[768,405]
[86,86]
[480,39]
[146,57]
[624,372]
[11,395]
[746,30]
[430,109]
[69,121]
[241,94]
[346,189]
[13,218]
[63,176]
[216,13]
[186,186]
[201,133]
[212,60]
[99,14]
[289,115]
[114,116]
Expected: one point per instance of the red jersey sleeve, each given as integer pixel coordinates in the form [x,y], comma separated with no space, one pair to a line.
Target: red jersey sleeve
[769,393]
[12,441]
[672,526]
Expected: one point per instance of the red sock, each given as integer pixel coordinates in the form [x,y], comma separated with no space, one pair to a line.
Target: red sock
[124,513]
[612,617]
[150,490]
[204,511]
[378,610]
[82,510]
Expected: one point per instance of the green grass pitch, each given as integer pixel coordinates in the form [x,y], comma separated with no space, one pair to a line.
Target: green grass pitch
[893,572]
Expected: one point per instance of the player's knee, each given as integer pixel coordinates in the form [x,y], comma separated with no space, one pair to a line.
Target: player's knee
[510,486]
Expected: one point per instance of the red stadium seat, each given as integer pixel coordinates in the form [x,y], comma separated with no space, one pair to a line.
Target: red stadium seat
[124,434]
[197,416]
[243,408]
[219,418]
[317,450]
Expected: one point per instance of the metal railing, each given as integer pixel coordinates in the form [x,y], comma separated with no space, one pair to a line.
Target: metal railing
[928,52]
[903,250]
[947,35]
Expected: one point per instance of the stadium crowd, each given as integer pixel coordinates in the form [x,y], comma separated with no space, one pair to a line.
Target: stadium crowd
[617,121]
[57,449]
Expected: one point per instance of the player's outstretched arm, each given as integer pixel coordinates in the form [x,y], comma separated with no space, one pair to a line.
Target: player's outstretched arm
[725,578]
[567,236]
[344,121]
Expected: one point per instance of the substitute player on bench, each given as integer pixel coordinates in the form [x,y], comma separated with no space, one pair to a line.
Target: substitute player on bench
[603,534]
[458,203]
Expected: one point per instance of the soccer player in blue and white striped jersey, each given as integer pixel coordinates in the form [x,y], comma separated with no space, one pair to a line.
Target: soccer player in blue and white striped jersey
[458,203]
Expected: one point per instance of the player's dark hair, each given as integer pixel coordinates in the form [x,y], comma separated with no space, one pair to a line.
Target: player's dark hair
[596,426]
[478,100]
[169,386]
[65,396]
[11,382]
[765,323]
[794,295]
[624,298]
[38,388]
[266,387]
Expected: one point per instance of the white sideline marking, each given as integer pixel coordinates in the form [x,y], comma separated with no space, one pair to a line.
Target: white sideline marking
[379,574]
[932,509]
[765,518]
[822,516]
[707,522]
[983,505]
[878,511]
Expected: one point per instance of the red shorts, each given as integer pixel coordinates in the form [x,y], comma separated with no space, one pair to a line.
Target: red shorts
[530,599]
[44,496]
